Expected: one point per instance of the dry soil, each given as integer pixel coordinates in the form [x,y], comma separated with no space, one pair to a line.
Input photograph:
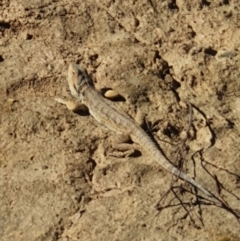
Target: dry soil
[58,180]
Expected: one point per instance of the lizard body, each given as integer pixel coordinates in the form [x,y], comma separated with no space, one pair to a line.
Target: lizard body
[108,113]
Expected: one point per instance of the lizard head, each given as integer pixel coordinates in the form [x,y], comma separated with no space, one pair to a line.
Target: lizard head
[78,79]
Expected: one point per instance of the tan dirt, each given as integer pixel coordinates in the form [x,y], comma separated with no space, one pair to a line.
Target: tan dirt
[58,181]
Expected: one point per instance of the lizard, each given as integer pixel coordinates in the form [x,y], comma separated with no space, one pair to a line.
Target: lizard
[109,114]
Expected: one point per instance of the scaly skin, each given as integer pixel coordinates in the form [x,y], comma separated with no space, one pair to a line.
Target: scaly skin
[107,113]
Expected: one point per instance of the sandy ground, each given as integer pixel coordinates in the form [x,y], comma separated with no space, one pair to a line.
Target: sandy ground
[58,181]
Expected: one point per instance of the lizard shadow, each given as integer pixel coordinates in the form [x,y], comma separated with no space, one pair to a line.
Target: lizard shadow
[82,112]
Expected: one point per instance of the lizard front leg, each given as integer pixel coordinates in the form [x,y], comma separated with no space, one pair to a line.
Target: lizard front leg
[71,105]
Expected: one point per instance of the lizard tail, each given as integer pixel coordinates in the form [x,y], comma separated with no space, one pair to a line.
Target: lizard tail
[184,176]
[171,168]
[154,151]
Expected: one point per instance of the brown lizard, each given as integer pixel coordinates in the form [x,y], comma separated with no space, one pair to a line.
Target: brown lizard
[108,113]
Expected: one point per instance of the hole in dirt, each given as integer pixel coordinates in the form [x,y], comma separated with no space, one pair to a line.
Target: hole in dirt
[171,130]
[173,5]
[1,58]
[29,36]
[175,84]
[225,2]
[230,124]
[4,24]
[205,2]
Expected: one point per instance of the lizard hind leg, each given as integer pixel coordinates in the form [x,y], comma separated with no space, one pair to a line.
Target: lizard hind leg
[123,147]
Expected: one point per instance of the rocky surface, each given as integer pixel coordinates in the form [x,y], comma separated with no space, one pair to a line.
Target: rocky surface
[58,181]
